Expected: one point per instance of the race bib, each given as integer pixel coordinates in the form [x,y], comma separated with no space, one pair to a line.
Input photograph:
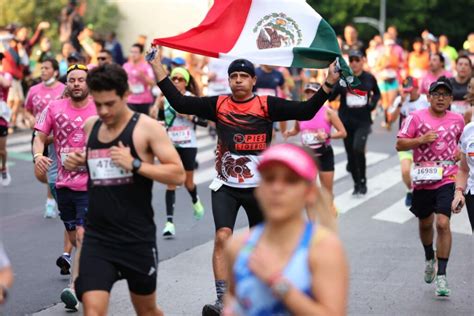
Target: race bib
[137,88]
[5,111]
[310,138]
[265,91]
[66,151]
[104,172]
[459,107]
[180,134]
[355,100]
[427,173]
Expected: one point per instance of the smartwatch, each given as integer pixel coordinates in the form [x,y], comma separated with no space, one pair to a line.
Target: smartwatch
[136,164]
[281,287]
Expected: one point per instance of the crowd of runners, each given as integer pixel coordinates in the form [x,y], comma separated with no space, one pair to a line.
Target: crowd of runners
[100,122]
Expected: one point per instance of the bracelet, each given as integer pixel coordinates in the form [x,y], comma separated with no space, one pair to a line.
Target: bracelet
[37,155]
[460,189]
[327,84]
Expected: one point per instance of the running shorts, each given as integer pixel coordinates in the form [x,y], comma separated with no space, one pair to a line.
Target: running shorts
[72,207]
[324,158]
[405,155]
[388,85]
[226,202]
[438,201]
[3,131]
[188,157]
[102,264]
[140,108]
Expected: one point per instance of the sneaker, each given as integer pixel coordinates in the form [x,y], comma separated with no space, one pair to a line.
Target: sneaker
[198,210]
[169,231]
[50,209]
[64,263]
[408,199]
[430,270]
[363,189]
[212,309]
[68,297]
[6,179]
[442,286]
[356,190]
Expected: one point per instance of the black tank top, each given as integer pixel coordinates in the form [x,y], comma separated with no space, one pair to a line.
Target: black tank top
[120,209]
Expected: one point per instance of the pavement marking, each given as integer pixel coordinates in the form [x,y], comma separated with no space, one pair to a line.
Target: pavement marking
[395,213]
[460,223]
[371,159]
[376,185]
[20,156]
[20,139]
[206,155]
[20,148]
[205,175]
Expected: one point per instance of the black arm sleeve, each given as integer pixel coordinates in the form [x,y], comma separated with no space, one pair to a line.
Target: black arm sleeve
[375,95]
[204,107]
[335,92]
[283,110]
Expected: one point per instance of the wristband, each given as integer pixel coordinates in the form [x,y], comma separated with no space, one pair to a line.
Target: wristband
[37,155]
[460,189]
[327,84]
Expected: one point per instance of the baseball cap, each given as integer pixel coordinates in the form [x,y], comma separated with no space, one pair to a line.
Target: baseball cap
[356,53]
[75,56]
[178,61]
[293,157]
[313,86]
[243,65]
[409,84]
[441,82]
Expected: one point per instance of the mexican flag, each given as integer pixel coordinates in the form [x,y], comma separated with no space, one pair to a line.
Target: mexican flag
[272,32]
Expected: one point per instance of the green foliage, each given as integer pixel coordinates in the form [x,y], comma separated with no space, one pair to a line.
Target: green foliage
[103,15]
[410,16]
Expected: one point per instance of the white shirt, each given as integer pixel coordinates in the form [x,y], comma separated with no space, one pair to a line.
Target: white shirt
[467,148]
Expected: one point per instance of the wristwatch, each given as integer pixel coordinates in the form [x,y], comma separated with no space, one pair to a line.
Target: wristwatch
[136,164]
[327,84]
[281,287]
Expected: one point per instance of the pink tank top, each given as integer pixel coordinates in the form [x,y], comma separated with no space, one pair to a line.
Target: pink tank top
[309,129]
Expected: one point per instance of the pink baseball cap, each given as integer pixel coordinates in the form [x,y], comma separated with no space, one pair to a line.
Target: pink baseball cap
[292,156]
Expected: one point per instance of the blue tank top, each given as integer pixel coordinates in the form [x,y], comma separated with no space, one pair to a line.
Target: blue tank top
[254,297]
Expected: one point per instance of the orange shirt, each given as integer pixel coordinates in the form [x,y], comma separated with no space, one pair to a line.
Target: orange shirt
[418,64]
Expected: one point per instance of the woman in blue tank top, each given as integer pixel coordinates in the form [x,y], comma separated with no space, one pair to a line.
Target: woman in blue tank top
[288,265]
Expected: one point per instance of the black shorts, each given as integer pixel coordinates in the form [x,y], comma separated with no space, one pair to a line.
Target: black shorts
[188,157]
[45,150]
[72,206]
[140,108]
[324,158]
[427,202]
[3,131]
[226,203]
[104,264]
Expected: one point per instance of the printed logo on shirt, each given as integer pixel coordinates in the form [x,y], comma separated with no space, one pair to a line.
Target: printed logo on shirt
[250,142]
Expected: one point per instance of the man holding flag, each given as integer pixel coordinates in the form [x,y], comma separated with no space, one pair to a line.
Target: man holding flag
[244,128]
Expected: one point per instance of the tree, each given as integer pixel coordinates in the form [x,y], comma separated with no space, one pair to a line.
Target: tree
[410,16]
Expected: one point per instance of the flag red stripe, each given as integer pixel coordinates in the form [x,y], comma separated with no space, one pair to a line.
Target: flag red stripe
[217,33]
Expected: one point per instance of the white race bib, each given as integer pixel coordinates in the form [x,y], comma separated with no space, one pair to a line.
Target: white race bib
[137,88]
[64,153]
[180,134]
[427,174]
[104,172]
[355,100]
[310,138]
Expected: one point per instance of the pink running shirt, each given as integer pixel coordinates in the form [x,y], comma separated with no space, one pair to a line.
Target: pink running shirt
[40,96]
[67,125]
[317,124]
[140,90]
[449,129]
[429,78]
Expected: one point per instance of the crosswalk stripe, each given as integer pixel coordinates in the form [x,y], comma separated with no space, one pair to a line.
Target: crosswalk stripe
[206,155]
[376,185]
[204,142]
[395,213]
[205,175]
[460,223]
[371,159]
[13,140]
[19,148]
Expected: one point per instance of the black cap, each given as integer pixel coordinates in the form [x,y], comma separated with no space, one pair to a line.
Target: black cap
[75,56]
[241,65]
[356,53]
[441,82]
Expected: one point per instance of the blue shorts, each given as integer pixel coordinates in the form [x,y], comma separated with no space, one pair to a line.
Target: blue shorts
[72,207]
[388,85]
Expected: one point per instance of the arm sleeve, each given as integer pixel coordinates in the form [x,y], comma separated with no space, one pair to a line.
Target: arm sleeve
[375,95]
[204,107]
[408,129]
[335,92]
[44,122]
[283,110]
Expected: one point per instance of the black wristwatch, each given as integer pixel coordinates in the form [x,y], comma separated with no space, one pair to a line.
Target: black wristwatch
[327,84]
[136,164]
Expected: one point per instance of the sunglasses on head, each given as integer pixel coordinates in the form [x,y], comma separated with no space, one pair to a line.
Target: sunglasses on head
[77,67]
[179,79]
[352,59]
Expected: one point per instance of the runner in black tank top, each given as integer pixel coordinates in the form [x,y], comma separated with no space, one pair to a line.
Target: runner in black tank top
[120,241]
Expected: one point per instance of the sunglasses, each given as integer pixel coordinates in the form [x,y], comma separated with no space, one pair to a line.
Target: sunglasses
[352,59]
[77,67]
[101,58]
[179,79]
[438,95]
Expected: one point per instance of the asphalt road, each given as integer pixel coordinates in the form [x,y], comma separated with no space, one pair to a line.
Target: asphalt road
[385,254]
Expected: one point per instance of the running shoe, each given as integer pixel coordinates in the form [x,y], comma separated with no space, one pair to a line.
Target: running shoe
[212,309]
[169,230]
[363,189]
[64,263]
[50,209]
[408,199]
[198,210]
[6,178]
[356,190]
[68,297]
[442,286]
[430,270]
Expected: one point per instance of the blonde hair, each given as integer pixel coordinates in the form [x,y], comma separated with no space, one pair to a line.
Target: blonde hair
[321,210]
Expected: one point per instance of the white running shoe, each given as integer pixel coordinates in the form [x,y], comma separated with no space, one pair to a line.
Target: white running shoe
[6,178]
[50,209]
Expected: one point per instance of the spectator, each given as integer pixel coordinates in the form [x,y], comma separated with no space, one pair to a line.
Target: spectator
[113,46]
[418,60]
[23,32]
[39,55]
[71,25]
